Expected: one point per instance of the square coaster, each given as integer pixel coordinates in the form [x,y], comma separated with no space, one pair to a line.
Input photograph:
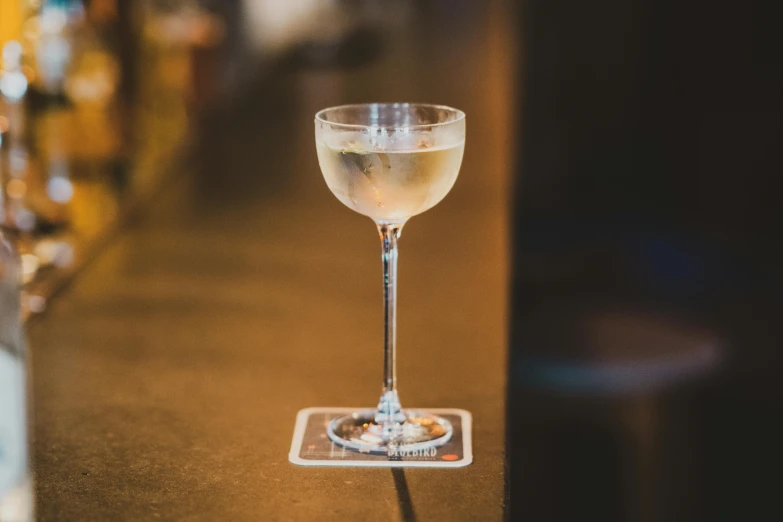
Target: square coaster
[312,447]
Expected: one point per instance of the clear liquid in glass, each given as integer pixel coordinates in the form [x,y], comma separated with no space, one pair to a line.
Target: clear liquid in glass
[389,178]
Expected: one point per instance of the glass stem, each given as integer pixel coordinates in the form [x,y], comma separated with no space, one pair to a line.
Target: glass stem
[389,414]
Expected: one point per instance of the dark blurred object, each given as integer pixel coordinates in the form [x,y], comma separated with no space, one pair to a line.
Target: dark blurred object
[355,48]
[192,36]
[350,34]
[643,373]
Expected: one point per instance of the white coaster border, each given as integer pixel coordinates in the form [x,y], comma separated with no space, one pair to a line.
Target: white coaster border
[301,425]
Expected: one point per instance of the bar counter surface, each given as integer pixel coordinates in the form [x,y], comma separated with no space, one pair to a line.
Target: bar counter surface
[167,377]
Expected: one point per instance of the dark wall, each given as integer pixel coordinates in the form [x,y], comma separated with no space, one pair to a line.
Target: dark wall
[647,261]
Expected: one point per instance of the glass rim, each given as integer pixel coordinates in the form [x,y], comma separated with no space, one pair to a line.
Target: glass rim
[460,115]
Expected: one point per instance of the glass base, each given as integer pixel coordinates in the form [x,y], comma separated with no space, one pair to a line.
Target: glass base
[359,431]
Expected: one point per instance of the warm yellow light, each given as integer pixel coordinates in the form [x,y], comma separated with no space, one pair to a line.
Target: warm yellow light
[10,20]
[16,189]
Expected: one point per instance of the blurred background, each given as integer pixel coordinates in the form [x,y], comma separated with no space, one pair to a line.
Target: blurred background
[600,289]
[644,348]
[100,99]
